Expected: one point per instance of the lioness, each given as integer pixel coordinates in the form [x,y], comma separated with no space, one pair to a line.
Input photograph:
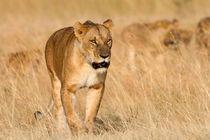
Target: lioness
[147,35]
[78,57]
[146,38]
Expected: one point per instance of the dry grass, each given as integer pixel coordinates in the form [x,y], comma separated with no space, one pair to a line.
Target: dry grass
[166,98]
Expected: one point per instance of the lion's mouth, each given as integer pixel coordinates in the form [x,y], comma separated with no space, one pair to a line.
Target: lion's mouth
[100,65]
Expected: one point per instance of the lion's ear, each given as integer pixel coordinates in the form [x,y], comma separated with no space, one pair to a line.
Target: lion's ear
[79,30]
[108,23]
[88,22]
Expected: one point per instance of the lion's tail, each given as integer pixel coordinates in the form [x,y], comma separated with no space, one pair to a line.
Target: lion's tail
[39,115]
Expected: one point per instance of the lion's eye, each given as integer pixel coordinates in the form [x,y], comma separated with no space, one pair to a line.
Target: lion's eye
[109,42]
[93,42]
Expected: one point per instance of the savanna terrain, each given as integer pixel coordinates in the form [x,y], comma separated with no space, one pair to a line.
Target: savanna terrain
[165,97]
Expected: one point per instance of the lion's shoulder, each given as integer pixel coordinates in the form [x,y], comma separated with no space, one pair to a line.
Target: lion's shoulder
[61,33]
[163,24]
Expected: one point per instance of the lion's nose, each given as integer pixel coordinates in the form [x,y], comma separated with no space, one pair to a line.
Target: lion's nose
[104,56]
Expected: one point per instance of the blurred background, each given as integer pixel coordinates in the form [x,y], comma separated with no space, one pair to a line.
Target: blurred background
[53,14]
[164,98]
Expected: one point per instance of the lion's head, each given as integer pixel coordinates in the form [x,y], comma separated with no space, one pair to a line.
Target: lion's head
[203,33]
[95,42]
[175,38]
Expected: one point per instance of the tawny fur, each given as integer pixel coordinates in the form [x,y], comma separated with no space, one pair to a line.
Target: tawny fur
[147,36]
[70,53]
[177,38]
[19,62]
[153,39]
[203,34]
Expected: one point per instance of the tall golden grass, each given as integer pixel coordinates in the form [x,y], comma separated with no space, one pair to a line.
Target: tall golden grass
[165,98]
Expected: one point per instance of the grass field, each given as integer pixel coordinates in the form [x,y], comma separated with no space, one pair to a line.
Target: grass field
[163,99]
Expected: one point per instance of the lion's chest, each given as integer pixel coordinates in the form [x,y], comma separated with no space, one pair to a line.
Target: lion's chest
[89,78]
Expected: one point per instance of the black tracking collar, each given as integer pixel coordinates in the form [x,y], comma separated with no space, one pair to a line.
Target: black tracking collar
[100,65]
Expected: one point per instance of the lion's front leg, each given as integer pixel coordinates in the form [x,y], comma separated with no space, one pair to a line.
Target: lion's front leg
[74,122]
[93,101]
